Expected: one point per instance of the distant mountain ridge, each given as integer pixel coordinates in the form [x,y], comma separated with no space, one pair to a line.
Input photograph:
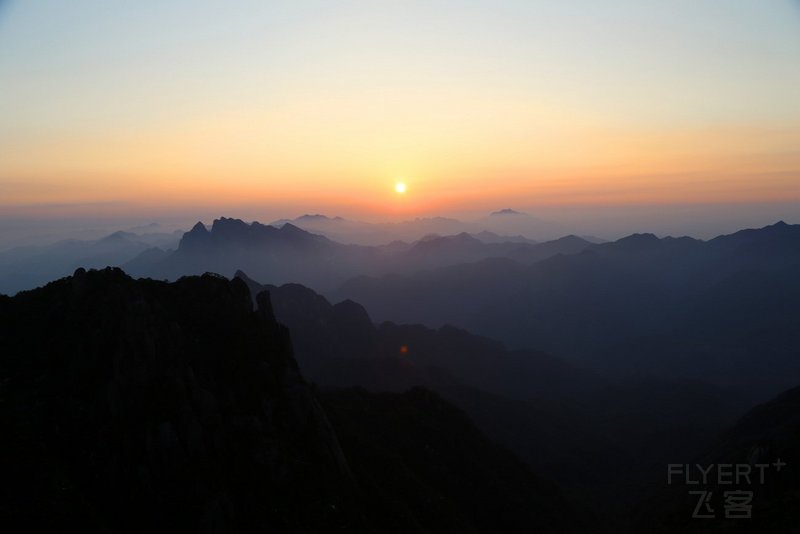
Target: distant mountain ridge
[291,254]
[29,267]
[146,252]
[229,233]
[640,305]
[365,233]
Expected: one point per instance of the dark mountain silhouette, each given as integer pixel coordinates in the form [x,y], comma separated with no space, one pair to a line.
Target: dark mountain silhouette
[338,345]
[284,253]
[290,254]
[132,406]
[767,435]
[152,405]
[607,447]
[446,475]
[596,440]
[720,310]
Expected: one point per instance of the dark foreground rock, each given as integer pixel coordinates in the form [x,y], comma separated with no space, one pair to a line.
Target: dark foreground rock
[137,405]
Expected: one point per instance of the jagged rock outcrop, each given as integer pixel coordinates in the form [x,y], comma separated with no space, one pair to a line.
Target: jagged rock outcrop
[139,405]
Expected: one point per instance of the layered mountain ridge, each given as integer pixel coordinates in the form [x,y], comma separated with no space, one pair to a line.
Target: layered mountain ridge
[290,254]
[718,310]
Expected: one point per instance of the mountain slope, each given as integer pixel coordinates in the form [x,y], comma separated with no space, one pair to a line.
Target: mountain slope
[443,472]
[338,345]
[680,308]
[137,405]
[767,436]
[596,440]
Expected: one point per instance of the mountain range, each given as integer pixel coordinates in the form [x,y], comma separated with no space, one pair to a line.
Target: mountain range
[291,254]
[366,233]
[592,435]
[721,310]
[450,379]
[144,250]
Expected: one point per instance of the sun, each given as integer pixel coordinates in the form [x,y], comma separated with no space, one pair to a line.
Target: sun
[400,187]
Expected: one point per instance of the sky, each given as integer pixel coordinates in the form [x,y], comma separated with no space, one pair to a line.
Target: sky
[113,109]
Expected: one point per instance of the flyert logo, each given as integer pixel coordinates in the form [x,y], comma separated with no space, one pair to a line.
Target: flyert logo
[736,503]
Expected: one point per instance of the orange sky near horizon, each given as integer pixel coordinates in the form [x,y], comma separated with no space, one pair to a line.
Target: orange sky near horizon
[192,166]
[303,104]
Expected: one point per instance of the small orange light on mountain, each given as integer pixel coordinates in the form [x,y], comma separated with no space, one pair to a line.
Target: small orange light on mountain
[404,349]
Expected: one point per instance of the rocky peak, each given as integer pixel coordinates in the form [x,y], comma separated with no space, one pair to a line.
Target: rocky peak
[164,403]
[194,238]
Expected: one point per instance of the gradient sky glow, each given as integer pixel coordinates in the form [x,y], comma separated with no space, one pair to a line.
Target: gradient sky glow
[324,106]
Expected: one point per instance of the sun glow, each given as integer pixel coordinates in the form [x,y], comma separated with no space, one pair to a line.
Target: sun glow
[484,107]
